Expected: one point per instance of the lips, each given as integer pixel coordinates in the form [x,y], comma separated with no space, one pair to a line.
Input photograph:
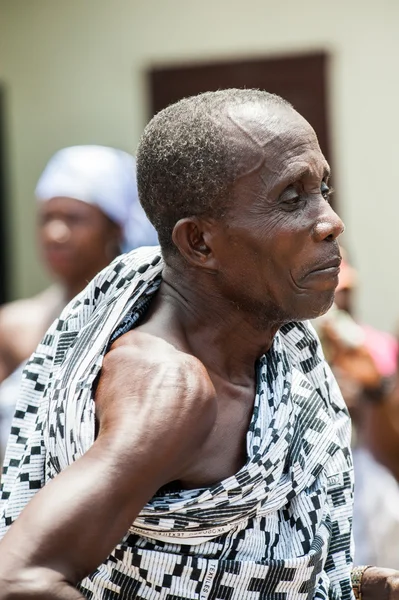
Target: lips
[323,277]
[55,255]
[332,266]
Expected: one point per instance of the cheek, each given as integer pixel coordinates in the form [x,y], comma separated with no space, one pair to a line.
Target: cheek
[268,243]
[289,241]
[247,266]
[89,240]
[279,227]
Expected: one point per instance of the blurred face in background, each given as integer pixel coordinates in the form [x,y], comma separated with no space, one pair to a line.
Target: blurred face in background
[76,239]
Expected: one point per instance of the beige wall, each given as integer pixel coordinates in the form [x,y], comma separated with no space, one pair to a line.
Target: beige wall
[74,74]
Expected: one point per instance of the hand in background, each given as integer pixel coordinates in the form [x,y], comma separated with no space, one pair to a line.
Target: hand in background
[380,584]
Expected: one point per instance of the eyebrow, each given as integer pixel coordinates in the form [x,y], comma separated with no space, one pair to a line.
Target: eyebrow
[306,171]
[290,178]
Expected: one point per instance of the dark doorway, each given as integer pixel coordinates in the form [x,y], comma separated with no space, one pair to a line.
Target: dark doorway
[302,80]
[3,204]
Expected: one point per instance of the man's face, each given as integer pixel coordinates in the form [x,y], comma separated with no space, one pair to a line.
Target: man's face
[276,247]
[74,237]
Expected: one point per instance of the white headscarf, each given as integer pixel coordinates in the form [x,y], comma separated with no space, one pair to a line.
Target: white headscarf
[105,177]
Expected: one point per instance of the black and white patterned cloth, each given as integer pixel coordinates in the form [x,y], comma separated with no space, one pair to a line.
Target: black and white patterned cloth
[280,529]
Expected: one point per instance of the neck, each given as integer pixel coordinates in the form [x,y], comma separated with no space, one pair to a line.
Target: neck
[72,288]
[76,283]
[222,336]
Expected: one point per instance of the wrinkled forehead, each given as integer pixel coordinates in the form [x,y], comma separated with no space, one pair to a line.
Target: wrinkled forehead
[274,139]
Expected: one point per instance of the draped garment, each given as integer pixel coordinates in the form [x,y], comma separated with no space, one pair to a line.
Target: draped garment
[279,529]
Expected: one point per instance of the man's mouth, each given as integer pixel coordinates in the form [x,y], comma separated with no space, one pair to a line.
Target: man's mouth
[331,267]
[324,274]
[56,255]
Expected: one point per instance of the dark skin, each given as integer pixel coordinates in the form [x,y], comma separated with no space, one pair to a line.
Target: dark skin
[272,259]
[77,241]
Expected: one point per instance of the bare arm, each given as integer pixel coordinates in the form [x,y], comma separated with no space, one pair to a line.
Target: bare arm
[19,334]
[380,584]
[156,407]
[7,361]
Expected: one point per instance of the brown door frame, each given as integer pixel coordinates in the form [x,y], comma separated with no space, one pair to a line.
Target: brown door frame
[301,79]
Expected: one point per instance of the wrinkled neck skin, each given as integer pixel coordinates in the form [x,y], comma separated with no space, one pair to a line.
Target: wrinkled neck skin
[193,315]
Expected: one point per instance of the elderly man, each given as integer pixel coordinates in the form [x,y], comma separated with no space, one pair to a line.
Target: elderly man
[188,437]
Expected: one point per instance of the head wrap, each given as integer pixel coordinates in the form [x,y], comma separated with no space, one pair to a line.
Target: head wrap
[106,178]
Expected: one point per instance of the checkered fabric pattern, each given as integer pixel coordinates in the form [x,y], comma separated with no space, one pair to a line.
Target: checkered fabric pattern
[280,529]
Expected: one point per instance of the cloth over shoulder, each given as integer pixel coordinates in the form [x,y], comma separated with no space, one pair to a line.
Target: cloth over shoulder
[280,527]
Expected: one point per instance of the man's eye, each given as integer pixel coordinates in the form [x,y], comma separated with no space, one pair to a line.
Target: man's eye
[293,201]
[73,220]
[326,191]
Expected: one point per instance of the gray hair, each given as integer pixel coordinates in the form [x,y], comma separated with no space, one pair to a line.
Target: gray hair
[185,164]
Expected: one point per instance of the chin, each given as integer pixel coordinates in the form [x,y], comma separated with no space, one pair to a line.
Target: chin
[315,307]
[323,307]
[65,274]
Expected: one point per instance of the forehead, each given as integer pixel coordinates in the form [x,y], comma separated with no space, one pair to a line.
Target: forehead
[66,206]
[275,141]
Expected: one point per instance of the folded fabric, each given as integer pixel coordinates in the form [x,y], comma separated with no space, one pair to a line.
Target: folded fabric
[281,525]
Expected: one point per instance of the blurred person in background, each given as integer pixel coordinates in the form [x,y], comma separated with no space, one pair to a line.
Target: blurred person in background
[88,213]
[364,362]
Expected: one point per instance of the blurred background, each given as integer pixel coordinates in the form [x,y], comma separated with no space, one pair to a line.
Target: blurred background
[93,72]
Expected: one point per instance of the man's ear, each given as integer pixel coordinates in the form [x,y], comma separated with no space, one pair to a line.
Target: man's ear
[193,237]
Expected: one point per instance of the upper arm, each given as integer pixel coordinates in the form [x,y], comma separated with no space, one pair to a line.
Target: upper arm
[74,522]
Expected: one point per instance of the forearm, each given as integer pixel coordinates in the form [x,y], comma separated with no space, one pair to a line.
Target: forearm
[154,414]
[37,584]
[73,524]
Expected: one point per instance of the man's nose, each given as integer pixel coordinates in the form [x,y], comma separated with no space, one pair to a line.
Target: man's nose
[329,226]
[58,231]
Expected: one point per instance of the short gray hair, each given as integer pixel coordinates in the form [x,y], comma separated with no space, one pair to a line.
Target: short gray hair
[185,164]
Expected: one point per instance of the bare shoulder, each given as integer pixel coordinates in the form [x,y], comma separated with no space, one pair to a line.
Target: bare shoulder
[22,319]
[15,315]
[18,326]
[141,368]
[154,349]
[22,325]
[28,314]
